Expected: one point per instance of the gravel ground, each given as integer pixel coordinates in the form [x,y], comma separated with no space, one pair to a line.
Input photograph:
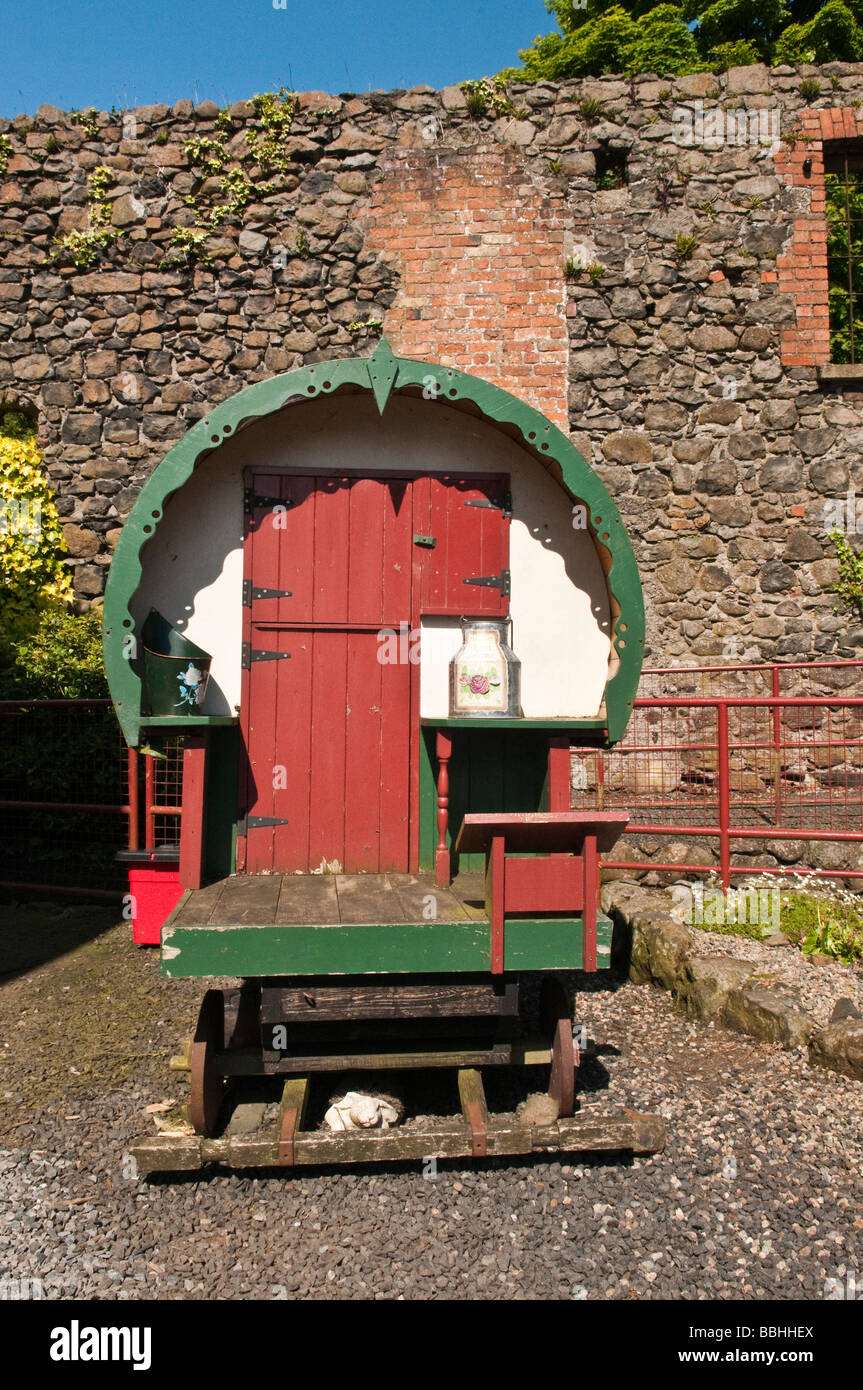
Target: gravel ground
[757,1195]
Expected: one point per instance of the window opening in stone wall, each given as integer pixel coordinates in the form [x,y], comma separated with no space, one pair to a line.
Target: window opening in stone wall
[843,179]
[610,168]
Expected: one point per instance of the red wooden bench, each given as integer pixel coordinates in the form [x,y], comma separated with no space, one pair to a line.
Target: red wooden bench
[561,876]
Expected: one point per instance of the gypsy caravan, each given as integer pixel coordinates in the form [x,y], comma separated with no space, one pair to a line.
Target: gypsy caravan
[412,597]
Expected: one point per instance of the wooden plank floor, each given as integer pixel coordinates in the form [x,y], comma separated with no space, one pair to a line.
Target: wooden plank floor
[331,899]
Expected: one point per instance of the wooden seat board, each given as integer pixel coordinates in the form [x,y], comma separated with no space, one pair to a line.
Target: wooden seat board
[330,900]
[541,832]
[417,896]
[251,898]
[307,898]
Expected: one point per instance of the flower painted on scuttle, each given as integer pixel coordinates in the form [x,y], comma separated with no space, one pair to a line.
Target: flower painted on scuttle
[191,676]
[191,686]
[479,685]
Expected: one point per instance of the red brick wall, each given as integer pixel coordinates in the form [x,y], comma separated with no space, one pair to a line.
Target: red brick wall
[479,251]
[802,271]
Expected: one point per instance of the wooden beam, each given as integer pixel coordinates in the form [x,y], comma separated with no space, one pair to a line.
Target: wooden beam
[193,820]
[624,1131]
[558,773]
[474,1109]
[496,900]
[292,1114]
[591,898]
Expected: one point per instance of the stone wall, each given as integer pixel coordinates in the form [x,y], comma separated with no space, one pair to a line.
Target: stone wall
[687,372]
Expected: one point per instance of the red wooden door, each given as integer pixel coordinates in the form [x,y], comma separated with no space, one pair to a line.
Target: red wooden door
[328,564]
[330,731]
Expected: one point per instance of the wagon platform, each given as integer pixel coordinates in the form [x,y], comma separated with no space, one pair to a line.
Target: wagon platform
[344,924]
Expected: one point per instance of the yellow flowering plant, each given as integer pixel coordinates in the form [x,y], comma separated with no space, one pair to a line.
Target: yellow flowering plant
[32,573]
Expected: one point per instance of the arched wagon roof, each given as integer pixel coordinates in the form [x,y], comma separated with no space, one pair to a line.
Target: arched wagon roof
[382,373]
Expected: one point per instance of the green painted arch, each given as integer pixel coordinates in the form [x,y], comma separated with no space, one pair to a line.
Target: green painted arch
[381,374]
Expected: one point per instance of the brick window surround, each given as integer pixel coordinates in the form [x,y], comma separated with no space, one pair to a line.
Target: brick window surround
[802,271]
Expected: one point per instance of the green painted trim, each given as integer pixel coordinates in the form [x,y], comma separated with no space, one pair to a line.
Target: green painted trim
[417,948]
[381,374]
[187,721]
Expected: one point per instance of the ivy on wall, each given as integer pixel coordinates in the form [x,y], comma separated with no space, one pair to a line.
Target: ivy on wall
[211,158]
[84,248]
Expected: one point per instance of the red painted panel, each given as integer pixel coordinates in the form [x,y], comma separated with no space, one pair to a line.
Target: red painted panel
[540,885]
[331,542]
[322,797]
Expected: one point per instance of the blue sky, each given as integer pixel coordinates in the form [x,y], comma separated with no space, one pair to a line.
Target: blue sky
[125,53]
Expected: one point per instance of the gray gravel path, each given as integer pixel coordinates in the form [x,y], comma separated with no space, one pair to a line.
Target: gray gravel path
[758,1194]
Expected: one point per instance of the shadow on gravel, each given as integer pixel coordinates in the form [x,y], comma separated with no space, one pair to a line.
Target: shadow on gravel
[31,934]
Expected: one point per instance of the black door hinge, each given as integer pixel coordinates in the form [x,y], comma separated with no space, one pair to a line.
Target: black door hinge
[251,654]
[493,581]
[252,499]
[247,823]
[251,591]
[504,504]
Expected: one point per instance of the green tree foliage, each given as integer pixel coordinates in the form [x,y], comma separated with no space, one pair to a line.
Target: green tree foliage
[663,43]
[725,21]
[833,33]
[634,36]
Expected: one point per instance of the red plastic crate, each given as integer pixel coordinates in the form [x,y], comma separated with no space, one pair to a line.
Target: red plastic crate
[155,891]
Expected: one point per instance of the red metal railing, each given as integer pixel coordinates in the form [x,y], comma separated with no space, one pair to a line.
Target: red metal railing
[779,771]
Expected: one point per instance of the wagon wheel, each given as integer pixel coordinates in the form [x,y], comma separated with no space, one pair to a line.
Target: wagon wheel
[557,1019]
[207,1087]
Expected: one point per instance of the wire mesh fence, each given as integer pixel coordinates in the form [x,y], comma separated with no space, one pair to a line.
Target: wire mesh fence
[63,796]
[742,767]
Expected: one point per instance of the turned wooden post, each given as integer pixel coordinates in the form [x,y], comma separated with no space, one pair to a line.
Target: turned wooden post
[442,859]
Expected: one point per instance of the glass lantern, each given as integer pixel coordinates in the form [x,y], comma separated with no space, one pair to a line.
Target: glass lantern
[485,673]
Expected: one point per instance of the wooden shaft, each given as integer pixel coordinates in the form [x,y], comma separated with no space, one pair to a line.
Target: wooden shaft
[496,871]
[558,773]
[591,896]
[134,823]
[149,821]
[193,819]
